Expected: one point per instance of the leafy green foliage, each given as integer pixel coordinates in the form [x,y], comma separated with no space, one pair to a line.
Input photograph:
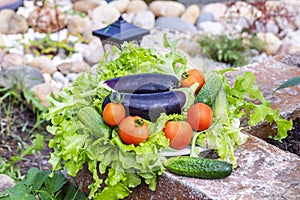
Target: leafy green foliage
[244,88]
[38,184]
[47,46]
[234,51]
[233,103]
[126,165]
[13,103]
[289,83]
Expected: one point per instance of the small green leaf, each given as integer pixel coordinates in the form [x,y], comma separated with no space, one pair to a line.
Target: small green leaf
[289,83]
[55,183]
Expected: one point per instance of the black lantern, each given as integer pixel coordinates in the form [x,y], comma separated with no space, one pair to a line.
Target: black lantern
[119,32]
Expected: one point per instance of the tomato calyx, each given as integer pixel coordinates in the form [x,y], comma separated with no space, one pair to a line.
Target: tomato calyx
[185,75]
[119,98]
[139,122]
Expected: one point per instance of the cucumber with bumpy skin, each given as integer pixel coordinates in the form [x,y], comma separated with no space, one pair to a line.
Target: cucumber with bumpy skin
[210,89]
[94,122]
[198,167]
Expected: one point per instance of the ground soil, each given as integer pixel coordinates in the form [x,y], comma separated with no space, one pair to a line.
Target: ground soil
[292,142]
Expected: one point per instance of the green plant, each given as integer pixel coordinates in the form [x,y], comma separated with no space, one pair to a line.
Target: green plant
[18,106]
[47,46]
[289,83]
[38,184]
[233,51]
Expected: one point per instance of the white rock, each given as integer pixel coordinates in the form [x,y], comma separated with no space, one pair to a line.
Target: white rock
[144,19]
[79,47]
[85,6]
[166,8]
[78,24]
[42,91]
[272,42]
[121,5]
[128,17]
[77,56]
[25,11]
[59,77]
[6,182]
[243,9]
[13,59]
[94,51]
[72,77]
[272,27]
[47,78]
[43,63]
[2,44]
[135,6]
[211,28]
[11,23]
[217,9]
[191,14]
[104,15]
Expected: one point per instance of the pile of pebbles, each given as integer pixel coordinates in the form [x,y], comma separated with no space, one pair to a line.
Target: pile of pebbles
[72,22]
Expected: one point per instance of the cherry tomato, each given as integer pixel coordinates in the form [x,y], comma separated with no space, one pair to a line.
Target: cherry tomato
[179,132]
[200,116]
[133,130]
[113,113]
[191,77]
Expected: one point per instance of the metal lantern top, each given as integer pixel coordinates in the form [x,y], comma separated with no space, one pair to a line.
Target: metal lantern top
[119,32]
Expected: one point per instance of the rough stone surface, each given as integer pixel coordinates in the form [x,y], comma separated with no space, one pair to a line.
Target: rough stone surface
[166,8]
[291,59]
[6,182]
[20,74]
[11,23]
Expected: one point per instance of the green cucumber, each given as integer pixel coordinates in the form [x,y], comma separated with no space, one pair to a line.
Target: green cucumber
[210,89]
[198,167]
[93,121]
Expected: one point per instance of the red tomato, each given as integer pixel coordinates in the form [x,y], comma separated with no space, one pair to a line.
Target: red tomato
[113,113]
[200,116]
[191,77]
[133,130]
[179,132]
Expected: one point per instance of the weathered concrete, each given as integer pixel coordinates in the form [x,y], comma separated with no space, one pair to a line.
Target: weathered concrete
[264,172]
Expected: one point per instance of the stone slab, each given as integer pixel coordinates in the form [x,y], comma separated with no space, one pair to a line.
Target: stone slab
[264,172]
